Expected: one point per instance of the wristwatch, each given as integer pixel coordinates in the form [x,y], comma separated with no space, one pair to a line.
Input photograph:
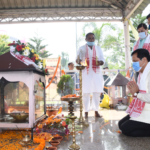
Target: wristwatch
[135,94]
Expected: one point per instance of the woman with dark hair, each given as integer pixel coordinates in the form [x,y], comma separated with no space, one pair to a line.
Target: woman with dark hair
[144,38]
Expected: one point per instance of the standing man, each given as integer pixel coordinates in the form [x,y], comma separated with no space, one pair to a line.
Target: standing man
[92,78]
[73,74]
[144,38]
[148,19]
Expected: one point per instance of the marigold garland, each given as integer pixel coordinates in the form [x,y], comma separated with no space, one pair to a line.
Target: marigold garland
[9,140]
[41,145]
[54,73]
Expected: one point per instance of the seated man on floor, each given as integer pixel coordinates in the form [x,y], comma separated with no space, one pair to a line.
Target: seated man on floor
[137,123]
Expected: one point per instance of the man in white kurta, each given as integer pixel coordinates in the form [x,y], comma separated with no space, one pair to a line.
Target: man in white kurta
[92,79]
[137,123]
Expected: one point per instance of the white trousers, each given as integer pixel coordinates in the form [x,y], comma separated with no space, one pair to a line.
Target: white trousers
[95,102]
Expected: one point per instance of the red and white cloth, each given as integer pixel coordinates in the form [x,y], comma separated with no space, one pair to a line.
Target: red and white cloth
[95,68]
[26,60]
[136,107]
[146,45]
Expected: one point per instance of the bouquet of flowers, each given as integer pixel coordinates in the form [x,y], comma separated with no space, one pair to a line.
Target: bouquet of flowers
[54,126]
[22,49]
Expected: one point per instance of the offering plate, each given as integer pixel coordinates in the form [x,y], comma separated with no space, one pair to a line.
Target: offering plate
[70,104]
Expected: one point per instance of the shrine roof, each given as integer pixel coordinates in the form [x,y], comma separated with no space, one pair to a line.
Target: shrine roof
[10,63]
[118,80]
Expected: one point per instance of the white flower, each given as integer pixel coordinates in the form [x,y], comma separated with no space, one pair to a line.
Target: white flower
[17,53]
[26,52]
[40,65]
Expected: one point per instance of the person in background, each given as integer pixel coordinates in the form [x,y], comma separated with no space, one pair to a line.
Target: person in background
[70,66]
[73,74]
[137,123]
[106,80]
[148,19]
[144,40]
[92,79]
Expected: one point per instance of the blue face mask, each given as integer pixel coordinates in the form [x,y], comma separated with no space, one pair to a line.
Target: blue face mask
[90,43]
[142,35]
[136,66]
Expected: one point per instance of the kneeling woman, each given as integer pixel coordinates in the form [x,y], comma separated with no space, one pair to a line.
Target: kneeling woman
[137,123]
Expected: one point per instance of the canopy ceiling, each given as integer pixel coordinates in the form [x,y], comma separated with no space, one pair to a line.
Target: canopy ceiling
[26,11]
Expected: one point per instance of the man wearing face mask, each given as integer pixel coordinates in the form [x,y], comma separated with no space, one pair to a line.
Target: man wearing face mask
[148,19]
[144,38]
[92,79]
[137,123]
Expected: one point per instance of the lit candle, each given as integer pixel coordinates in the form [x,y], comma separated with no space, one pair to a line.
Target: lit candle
[85,62]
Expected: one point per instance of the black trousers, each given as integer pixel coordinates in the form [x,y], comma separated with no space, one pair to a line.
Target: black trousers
[134,128]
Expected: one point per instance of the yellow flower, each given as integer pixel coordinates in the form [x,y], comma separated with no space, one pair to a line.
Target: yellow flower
[37,58]
[35,55]
[44,63]
[27,48]
[23,49]
[32,50]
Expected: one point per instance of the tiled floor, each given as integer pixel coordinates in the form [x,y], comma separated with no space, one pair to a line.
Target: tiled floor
[101,134]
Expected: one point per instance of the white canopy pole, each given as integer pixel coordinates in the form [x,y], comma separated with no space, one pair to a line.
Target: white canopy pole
[127,45]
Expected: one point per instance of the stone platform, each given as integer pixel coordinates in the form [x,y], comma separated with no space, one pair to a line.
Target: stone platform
[102,135]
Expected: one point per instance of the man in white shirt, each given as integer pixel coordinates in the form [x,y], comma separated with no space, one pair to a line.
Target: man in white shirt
[92,79]
[73,74]
[137,123]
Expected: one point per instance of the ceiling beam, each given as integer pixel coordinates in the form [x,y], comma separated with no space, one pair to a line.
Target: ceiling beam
[29,3]
[49,3]
[65,20]
[59,10]
[22,3]
[16,3]
[2,3]
[8,1]
[130,10]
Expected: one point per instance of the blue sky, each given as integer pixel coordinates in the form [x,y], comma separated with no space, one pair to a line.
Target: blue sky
[59,36]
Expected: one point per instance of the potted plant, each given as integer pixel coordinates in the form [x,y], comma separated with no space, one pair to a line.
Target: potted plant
[65,85]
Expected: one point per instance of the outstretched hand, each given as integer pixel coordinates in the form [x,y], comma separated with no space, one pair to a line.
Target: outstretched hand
[133,87]
[78,62]
[99,63]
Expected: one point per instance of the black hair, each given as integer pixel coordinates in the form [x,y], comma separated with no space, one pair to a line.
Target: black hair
[148,16]
[142,25]
[70,63]
[105,68]
[141,53]
[89,34]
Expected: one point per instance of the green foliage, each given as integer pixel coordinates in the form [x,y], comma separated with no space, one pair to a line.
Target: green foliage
[4,48]
[65,85]
[114,45]
[36,44]
[98,31]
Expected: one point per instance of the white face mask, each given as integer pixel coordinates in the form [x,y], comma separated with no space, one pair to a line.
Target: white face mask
[106,73]
[142,35]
